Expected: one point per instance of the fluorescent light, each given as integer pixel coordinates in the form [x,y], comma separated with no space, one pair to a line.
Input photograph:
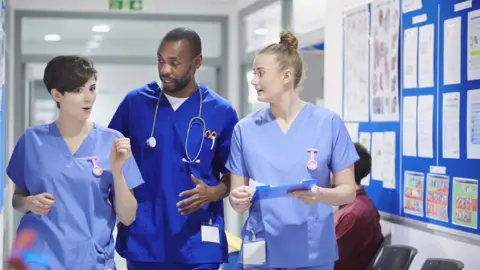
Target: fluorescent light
[52,37]
[101,28]
[97,37]
[261,31]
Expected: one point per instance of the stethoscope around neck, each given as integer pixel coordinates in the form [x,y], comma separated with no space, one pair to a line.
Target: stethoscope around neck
[152,142]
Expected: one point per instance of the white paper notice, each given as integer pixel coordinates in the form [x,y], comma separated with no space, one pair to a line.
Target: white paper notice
[425,126]
[409,129]
[377,156]
[410,51]
[388,154]
[473,56]
[356,30]
[352,129]
[411,5]
[365,139]
[425,57]
[473,124]
[452,51]
[451,125]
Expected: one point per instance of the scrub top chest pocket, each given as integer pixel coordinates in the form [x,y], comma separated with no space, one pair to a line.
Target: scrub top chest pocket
[316,159]
[211,137]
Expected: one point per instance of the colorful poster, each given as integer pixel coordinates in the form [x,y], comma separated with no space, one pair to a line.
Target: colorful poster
[437,197]
[465,202]
[384,80]
[413,193]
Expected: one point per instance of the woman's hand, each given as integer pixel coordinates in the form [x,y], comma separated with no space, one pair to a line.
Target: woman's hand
[39,204]
[240,198]
[120,153]
[307,196]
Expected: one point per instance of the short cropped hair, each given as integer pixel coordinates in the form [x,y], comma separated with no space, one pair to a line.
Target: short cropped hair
[68,73]
[183,33]
[363,164]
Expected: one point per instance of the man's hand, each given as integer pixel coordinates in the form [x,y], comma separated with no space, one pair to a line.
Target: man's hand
[198,197]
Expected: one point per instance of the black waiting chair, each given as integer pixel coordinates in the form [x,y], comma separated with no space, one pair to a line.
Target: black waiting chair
[442,264]
[394,257]
[387,239]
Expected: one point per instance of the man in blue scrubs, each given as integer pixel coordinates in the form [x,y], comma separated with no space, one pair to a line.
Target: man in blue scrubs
[180,134]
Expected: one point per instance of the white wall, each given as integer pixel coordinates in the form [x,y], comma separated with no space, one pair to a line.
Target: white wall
[428,244]
[203,7]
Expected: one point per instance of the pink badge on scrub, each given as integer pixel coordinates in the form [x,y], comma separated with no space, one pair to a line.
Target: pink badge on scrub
[97,170]
[312,163]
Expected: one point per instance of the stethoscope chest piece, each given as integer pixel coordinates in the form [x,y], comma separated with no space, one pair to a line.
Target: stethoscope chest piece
[151,142]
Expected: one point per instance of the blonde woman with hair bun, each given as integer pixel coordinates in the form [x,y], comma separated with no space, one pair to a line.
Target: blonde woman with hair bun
[288,142]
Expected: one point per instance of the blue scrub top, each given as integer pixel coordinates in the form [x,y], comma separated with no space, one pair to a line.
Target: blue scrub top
[77,232]
[261,151]
[160,233]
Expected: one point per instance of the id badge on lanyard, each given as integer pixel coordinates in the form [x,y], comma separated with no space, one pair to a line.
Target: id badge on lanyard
[254,251]
[210,233]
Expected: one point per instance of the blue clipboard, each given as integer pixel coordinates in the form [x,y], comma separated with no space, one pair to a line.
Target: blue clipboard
[269,192]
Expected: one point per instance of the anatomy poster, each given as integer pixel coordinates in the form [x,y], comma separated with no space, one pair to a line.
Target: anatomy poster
[384,61]
[356,27]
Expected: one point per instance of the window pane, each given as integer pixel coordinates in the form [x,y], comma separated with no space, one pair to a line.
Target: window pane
[263,27]
[308,15]
[110,37]
[253,103]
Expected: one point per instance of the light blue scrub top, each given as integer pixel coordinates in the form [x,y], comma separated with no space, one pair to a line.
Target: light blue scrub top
[296,234]
[77,232]
[160,233]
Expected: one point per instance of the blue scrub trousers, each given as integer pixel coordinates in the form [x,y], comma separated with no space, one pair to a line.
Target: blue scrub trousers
[170,266]
[328,266]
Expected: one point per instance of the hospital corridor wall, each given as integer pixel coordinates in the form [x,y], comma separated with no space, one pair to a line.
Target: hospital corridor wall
[431,240]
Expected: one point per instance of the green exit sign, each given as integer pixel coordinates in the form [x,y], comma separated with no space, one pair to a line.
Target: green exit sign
[121,5]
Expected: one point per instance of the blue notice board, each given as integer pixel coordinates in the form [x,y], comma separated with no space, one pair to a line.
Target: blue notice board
[442,189]
[436,168]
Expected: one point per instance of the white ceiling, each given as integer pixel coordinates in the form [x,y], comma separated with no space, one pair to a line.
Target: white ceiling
[34,29]
[126,37]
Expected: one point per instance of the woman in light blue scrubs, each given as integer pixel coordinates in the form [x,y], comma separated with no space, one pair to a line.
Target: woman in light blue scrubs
[72,177]
[284,144]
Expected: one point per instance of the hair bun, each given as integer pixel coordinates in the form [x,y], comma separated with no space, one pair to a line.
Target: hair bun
[289,40]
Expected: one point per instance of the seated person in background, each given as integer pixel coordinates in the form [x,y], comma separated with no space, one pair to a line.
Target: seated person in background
[357,224]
